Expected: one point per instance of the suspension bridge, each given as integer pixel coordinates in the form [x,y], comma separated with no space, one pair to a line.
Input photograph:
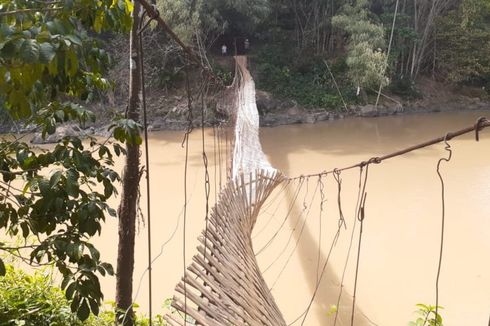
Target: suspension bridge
[223,284]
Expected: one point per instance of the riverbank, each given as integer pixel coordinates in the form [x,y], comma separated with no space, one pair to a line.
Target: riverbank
[295,114]
[170,112]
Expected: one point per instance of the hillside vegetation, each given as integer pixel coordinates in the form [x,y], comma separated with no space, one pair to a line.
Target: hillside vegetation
[328,54]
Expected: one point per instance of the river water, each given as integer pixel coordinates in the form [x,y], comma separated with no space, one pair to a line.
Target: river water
[401,231]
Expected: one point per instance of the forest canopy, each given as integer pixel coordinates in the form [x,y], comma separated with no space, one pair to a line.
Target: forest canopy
[446,40]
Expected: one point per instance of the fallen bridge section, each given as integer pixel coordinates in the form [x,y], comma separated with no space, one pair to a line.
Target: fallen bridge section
[224,285]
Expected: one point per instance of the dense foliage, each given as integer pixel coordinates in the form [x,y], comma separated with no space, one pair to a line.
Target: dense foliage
[208,19]
[48,56]
[463,43]
[365,57]
[31,300]
[446,40]
[306,81]
[27,299]
[54,201]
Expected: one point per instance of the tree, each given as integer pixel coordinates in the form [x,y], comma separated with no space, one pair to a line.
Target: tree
[414,42]
[130,188]
[50,64]
[463,43]
[313,22]
[213,18]
[365,58]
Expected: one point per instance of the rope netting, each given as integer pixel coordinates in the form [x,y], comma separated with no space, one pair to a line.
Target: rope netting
[224,285]
[247,152]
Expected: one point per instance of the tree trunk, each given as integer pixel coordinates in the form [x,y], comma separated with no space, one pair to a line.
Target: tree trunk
[130,188]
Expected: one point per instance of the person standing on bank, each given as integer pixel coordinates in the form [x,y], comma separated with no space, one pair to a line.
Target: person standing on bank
[224,49]
[247,45]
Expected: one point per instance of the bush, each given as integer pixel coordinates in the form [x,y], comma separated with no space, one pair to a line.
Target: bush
[427,316]
[108,315]
[404,87]
[32,300]
[224,74]
[305,80]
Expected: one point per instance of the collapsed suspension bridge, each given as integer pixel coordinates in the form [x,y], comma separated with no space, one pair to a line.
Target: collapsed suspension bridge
[223,285]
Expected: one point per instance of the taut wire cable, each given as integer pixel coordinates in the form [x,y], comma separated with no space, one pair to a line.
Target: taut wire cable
[481,124]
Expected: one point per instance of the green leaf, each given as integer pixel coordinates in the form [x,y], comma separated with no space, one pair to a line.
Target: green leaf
[117,149]
[29,51]
[75,303]
[21,108]
[25,229]
[129,6]
[3,270]
[83,310]
[9,49]
[74,39]
[66,280]
[72,188]
[101,270]
[70,290]
[93,251]
[55,179]
[68,4]
[94,306]
[6,30]
[46,52]
[53,67]
[112,212]
[44,187]
[99,22]
[108,267]
[55,27]
[71,63]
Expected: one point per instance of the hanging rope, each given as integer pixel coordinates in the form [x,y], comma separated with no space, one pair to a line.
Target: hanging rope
[443,215]
[207,184]
[338,179]
[147,154]
[290,209]
[350,246]
[360,218]
[320,217]
[297,240]
[185,143]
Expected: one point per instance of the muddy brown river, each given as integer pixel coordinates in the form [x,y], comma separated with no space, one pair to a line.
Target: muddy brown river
[401,232]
